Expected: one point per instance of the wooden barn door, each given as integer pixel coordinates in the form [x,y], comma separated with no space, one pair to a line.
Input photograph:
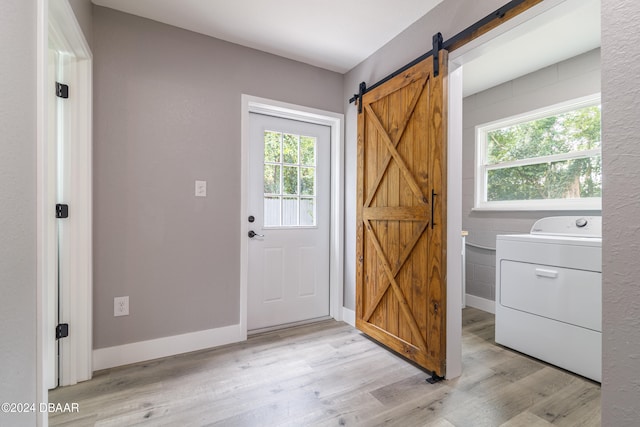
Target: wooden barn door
[401,217]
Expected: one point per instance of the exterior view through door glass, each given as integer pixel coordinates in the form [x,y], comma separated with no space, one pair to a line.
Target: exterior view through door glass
[289,220]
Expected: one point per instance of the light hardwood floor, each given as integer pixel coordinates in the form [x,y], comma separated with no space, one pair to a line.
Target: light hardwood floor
[329,374]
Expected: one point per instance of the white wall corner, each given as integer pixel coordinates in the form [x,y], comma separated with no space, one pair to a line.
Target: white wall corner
[110,357]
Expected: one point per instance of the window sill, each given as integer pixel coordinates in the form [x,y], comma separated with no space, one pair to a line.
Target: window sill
[540,205]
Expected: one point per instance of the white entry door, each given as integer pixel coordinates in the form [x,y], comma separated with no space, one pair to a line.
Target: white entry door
[289,221]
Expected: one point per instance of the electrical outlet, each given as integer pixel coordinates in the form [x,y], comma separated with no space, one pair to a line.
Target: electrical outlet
[121,306]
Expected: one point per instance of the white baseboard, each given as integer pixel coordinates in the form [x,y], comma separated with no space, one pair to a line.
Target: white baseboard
[349,316]
[104,358]
[480,303]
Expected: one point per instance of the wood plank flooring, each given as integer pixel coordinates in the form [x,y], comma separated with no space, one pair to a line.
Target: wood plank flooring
[328,374]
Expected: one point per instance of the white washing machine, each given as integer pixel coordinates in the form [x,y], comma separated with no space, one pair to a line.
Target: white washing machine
[549,293]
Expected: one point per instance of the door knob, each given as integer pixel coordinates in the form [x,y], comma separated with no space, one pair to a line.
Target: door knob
[253,234]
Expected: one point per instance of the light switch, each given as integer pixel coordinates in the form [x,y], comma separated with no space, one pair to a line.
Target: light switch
[201,188]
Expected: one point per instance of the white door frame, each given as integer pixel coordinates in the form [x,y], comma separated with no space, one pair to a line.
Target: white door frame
[454,221]
[457,58]
[252,104]
[58,28]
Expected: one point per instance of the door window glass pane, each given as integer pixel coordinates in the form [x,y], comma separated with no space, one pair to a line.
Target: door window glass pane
[289,180]
[290,211]
[272,146]
[290,148]
[271,211]
[307,211]
[308,150]
[272,179]
[307,180]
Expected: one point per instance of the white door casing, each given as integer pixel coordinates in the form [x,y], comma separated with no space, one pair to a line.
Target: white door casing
[335,122]
[51,239]
[288,277]
[58,188]
[59,31]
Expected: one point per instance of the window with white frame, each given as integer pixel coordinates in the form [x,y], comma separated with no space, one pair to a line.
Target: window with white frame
[544,160]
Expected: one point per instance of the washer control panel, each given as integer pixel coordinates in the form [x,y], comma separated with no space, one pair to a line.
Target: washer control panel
[574,226]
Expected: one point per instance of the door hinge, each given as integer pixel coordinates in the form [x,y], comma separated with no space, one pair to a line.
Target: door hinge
[62,211]
[62,90]
[62,330]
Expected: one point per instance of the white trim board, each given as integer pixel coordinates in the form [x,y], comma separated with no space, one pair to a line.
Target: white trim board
[59,30]
[109,357]
[454,223]
[481,303]
[252,104]
[349,316]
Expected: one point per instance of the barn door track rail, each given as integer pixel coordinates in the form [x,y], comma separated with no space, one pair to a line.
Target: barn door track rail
[490,21]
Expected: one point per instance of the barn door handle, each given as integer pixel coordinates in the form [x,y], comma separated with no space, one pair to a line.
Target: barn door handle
[433,196]
[253,234]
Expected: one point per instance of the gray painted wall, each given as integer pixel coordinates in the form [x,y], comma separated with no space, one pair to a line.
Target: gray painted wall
[449,17]
[167,112]
[83,9]
[621,210]
[17,210]
[570,79]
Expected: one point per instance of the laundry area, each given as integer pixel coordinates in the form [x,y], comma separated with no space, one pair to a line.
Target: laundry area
[549,293]
[532,188]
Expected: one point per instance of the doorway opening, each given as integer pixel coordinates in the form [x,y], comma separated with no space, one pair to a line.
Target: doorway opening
[508,68]
[64,159]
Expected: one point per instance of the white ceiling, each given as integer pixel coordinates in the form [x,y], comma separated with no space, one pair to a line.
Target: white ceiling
[332,34]
[339,34]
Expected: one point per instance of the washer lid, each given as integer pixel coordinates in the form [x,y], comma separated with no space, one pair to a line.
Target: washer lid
[572,226]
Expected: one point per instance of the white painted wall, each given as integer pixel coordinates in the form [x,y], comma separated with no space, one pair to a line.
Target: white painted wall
[621,211]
